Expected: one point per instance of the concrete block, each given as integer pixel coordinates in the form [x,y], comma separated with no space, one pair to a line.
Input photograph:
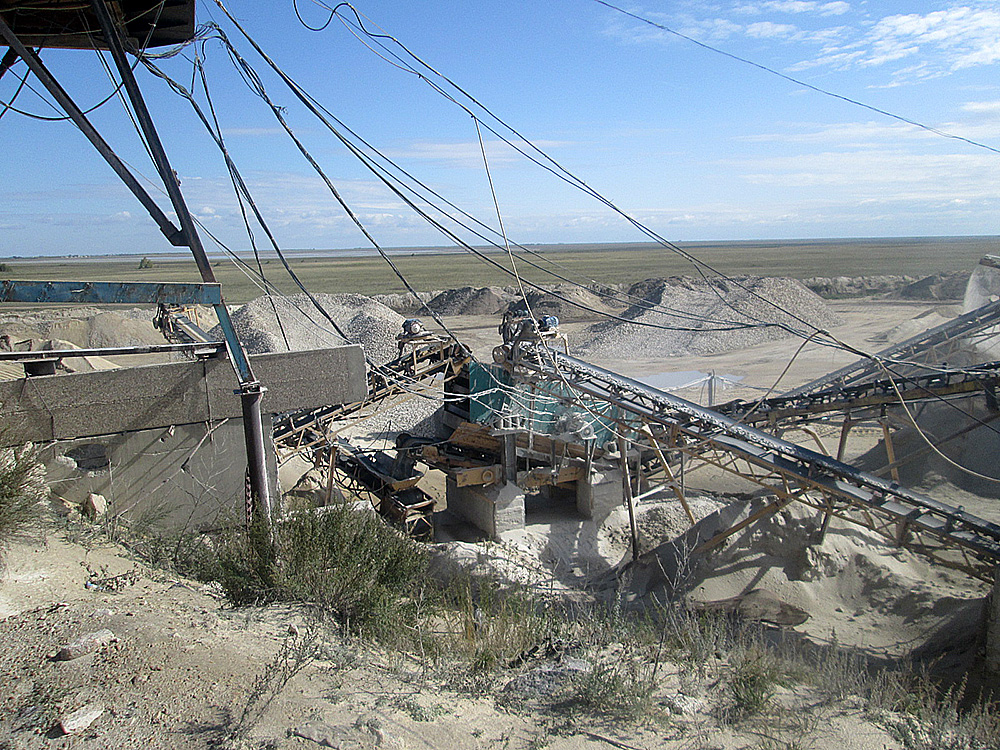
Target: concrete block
[494,509]
[60,407]
[596,498]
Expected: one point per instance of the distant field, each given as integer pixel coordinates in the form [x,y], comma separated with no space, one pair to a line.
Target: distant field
[607,263]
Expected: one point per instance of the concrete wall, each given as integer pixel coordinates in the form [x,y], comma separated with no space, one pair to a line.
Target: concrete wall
[60,407]
[186,477]
[164,444]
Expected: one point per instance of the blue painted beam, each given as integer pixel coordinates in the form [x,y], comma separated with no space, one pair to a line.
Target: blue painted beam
[110,292]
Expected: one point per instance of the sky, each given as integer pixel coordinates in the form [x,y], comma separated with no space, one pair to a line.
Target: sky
[692,143]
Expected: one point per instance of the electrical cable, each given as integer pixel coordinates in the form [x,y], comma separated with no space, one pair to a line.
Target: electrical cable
[799,81]
[180,90]
[562,173]
[239,197]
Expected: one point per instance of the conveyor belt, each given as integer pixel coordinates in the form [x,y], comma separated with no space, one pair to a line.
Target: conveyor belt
[982,379]
[947,534]
[918,346]
[303,429]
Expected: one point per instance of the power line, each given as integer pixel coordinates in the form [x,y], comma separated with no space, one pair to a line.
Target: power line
[799,81]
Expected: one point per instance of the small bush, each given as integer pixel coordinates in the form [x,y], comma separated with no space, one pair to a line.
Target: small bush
[22,487]
[347,562]
[620,689]
[5,268]
[495,629]
[145,263]
[753,678]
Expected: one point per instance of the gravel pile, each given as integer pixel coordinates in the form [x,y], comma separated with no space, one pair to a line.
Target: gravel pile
[545,303]
[717,300]
[834,287]
[366,322]
[404,303]
[469,300]
[940,286]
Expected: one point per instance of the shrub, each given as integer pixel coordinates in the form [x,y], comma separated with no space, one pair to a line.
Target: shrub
[348,563]
[22,487]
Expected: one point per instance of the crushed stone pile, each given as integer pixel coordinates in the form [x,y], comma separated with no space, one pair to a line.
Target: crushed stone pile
[716,304]
[562,306]
[838,287]
[942,286]
[404,302]
[366,322]
[469,300]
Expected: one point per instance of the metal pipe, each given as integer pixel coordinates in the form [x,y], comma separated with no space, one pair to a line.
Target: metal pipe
[250,390]
[206,348]
[253,431]
[34,63]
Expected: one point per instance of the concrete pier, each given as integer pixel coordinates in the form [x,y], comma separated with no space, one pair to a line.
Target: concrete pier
[596,498]
[494,509]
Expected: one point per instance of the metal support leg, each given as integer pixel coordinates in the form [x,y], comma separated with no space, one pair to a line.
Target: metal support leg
[34,63]
[250,390]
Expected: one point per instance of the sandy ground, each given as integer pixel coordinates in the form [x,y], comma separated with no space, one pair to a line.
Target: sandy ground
[183,669]
[186,671]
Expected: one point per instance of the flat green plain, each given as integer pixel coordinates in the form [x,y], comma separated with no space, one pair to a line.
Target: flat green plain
[605,263]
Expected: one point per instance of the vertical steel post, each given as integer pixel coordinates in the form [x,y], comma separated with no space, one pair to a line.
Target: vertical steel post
[250,389]
[623,445]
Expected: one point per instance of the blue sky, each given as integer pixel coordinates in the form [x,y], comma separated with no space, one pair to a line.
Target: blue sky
[694,144]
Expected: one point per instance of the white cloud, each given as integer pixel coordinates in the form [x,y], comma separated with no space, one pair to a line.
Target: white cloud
[944,40]
[795,6]
[767,29]
[987,108]
[804,6]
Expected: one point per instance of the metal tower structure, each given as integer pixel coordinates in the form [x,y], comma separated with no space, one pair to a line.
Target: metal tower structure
[122,27]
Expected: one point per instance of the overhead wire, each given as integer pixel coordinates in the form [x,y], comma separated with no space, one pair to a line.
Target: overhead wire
[799,81]
[548,163]
[816,332]
[239,197]
[383,177]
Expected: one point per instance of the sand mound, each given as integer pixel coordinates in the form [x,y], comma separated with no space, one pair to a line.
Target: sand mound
[725,303]
[910,328]
[855,586]
[301,327]
[111,329]
[87,328]
[469,300]
[976,450]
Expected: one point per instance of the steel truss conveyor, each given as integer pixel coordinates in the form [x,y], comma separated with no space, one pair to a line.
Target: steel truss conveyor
[873,395]
[934,344]
[305,430]
[672,426]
